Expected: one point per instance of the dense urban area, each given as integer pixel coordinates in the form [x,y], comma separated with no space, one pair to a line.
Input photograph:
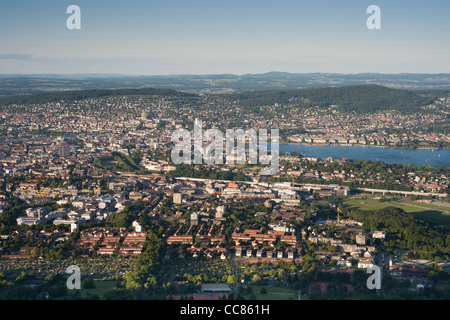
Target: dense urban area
[88,180]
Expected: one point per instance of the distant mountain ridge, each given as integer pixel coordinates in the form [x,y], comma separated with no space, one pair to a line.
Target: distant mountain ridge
[217,83]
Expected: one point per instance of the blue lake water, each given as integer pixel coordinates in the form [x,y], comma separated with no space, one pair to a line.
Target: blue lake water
[433,157]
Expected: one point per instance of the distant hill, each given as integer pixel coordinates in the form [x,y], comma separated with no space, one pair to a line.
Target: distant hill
[217,83]
[360,98]
[74,95]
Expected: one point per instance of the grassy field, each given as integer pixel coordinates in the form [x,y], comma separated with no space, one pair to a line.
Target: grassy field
[438,213]
[272,293]
[100,288]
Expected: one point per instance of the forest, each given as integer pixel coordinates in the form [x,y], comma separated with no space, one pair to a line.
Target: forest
[359,98]
[75,95]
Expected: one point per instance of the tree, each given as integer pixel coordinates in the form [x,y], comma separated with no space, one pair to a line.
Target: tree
[132,281]
[23,276]
[256,278]
[88,283]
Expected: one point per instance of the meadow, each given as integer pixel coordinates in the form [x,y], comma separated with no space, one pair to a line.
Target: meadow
[435,212]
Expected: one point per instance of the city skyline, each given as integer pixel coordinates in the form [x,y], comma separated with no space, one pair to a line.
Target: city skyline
[204,37]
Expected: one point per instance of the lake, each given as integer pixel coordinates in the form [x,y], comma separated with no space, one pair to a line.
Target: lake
[433,157]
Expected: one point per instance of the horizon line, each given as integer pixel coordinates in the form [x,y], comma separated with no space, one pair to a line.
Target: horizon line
[209,74]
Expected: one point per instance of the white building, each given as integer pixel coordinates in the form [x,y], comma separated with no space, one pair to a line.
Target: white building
[365,263]
[177,198]
[220,212]
[360,239]
[28,220]
[137,226]
[56,214]
[194,218]
[379,235]
[280,227]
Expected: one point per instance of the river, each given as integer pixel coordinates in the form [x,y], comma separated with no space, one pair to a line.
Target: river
[433,157]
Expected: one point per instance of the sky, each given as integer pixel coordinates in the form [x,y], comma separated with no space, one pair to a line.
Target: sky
[234,36]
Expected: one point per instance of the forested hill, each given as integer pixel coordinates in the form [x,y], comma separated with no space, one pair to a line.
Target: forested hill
[74,95]
[360,98]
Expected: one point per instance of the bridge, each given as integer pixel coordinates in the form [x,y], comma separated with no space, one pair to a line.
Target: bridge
[405,193]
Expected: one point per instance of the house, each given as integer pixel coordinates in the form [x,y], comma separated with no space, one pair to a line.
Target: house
[365,263]
[106,251]
[122,204]
[412,272]
[87,216]
[379,235]
[137,226]
[360,239]
[344,263]
[106,203]
[258,253]
[290,255]
[180,239]
[78,204]
[59,213]
[130,251]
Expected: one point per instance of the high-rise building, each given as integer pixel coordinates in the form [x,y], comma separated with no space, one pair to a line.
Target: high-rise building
[177,198]
[63,150]
[220,212]
[360,239]
[194,218]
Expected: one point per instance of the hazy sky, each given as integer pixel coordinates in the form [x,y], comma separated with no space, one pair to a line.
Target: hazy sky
[228,36]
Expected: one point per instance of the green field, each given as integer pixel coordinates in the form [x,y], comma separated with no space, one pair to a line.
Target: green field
[101,287]
[272,293]
[435,212]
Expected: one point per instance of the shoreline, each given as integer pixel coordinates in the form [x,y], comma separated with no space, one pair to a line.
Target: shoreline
[358,145]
